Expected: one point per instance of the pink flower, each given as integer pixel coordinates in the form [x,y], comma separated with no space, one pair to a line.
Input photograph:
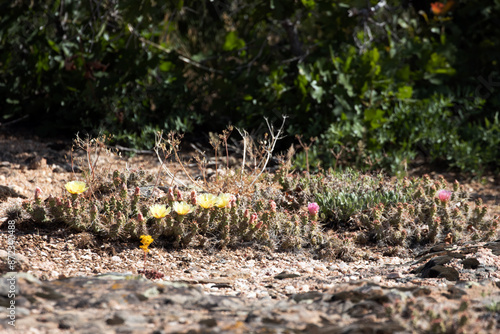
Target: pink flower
[137,192]
[313,208]
[444,195]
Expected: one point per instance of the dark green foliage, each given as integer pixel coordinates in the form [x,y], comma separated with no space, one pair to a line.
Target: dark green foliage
[377,88]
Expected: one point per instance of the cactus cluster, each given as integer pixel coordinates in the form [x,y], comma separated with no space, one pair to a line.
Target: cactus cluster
[120,209]
[330,213]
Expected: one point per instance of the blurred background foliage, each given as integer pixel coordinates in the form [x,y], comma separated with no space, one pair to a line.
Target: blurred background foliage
[379,84]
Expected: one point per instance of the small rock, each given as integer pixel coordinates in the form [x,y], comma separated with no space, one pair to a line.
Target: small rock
[115,320]
[21,262]
[210,322]
[116,259]
[312,295]
[470,263]
[286,274]
[394,275]
[439,271]
[320,267]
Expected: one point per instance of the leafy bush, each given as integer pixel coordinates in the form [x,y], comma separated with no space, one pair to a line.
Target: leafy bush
[383,86]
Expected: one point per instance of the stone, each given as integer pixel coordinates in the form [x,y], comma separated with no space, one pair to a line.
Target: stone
[470,263]
[439,271]
[286,274]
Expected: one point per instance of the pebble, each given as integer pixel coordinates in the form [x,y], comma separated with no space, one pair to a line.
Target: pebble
[342,266]
[116,259]
[308,270]
[320,267]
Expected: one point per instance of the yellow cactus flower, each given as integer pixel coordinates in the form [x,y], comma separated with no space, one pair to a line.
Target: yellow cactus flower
[76,187]
[159,210]
[223,200]
[182,208]
[206,201]
[146,240]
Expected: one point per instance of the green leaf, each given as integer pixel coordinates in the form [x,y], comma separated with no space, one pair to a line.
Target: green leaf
[309,4]
[375,117]
[54,46]
[318,91]
[233,42]
[405,92]
[166,66]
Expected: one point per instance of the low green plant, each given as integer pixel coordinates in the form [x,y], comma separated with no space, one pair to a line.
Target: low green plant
[330,213]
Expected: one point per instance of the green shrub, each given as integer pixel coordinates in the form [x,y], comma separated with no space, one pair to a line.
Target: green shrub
[357,82]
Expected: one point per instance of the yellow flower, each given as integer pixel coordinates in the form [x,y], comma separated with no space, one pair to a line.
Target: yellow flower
[223,200]
[182,208]
[207,200]
[159,210]
[146,240]
[76,187]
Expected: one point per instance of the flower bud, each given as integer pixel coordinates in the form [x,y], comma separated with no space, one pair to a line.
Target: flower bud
[179,195]
[38,194]
[170,194]
[272,204]
[193,197]
[253,218]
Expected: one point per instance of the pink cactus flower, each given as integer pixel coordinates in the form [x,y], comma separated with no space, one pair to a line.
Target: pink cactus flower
[259,225]
[137,192]
[313,208]
[444,195]
[140,217]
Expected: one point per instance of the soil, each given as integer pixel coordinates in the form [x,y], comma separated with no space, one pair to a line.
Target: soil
[250,274]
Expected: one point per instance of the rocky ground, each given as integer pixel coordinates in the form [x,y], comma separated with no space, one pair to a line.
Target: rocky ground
[75,283]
